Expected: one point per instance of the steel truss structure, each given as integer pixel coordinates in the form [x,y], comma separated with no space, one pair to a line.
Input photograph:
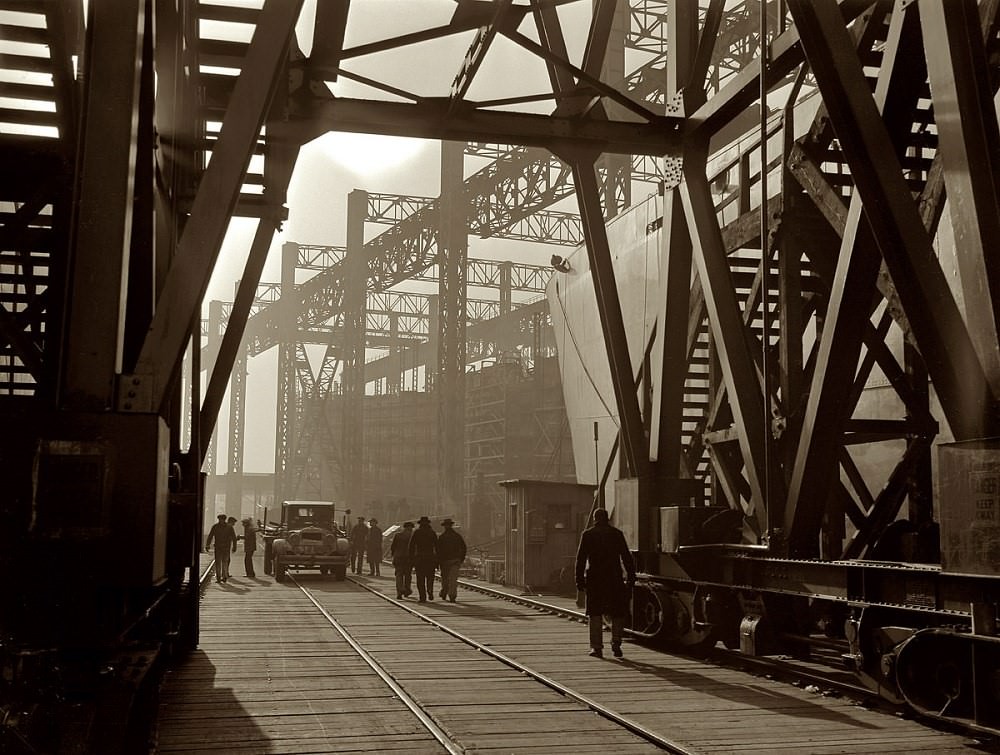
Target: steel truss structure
[127,136]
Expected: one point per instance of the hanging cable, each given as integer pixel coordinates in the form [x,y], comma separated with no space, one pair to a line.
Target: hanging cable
[765,264]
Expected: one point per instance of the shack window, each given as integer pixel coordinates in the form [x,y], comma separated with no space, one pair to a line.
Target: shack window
[560,516]
[513,517]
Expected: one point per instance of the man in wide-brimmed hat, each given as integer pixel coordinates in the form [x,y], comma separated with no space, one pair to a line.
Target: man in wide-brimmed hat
[424,556]
[451,554]
[374,547]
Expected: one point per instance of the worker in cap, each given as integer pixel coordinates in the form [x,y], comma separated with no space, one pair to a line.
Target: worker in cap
[224,538]
[451,555]
[249,545]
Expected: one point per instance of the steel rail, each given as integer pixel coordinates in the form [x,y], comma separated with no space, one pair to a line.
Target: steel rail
[731,658]
[424,717]
[206,575]
[636,728]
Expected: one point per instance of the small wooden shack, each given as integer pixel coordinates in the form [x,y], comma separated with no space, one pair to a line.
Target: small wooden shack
[544,523]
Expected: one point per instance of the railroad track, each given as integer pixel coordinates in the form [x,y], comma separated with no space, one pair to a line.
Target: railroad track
[451,742]
[491,675]
[789,670]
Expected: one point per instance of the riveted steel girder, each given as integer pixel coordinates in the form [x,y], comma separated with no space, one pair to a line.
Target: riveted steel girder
[729,335]
[633,444]
[905,246]
[104,202]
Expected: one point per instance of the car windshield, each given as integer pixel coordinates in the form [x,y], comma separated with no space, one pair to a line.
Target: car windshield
[304,516]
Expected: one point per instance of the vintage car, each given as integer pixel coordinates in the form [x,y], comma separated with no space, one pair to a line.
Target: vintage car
[308,537]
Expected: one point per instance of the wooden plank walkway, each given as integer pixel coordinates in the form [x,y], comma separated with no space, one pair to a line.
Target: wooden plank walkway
[271,677]
[704,706]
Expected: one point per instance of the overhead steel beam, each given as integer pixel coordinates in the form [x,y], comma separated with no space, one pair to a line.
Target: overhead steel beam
[543,226]
[478,49]
[431,119]
[743,90]
[329,29]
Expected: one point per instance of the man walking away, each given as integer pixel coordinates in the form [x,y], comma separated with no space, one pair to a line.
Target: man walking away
[374,548]
[424,556]
[599,561]
[231,523]
[224,538]
[359,541]
[451,555]
[249,546]
[399,551]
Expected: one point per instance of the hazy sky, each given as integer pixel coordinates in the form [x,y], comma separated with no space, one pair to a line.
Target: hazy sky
[330,167]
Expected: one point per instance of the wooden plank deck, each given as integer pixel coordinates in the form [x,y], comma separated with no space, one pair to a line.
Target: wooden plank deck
[271,677]
[709,708]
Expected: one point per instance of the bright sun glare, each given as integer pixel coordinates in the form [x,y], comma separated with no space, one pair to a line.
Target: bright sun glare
[365,154]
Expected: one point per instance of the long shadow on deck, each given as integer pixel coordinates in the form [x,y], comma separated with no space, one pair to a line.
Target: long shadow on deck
[195,715]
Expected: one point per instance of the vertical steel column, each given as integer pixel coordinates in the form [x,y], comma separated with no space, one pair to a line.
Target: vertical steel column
[920,494]
[288,326]
[103,207]
[669,356]
[433,339]
[635,449]
[505,341]
[505,287]
[729,334]
[395,371]
[237,430]
[615,170]
[355,285]
[453,252]
[210,462]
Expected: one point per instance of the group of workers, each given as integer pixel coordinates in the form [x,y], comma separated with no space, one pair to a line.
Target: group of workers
[422,550]
[366,540]
[223,534]
[601,561]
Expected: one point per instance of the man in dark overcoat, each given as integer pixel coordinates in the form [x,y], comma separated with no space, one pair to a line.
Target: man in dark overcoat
[374,548]
[359,541]
[601,561]
[451,555]
[249,546]
[399,551]
[424,557]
